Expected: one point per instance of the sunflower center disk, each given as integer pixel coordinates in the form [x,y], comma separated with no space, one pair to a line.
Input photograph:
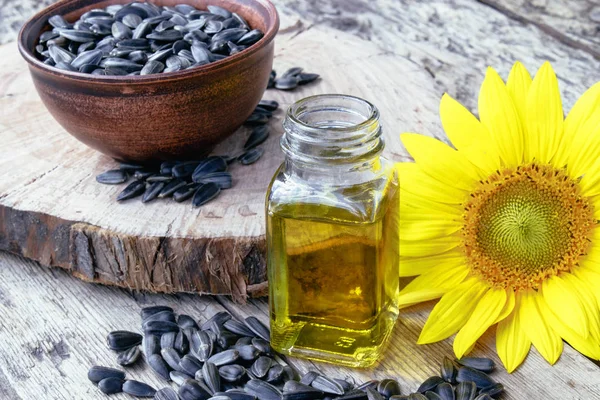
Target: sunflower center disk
[525,224]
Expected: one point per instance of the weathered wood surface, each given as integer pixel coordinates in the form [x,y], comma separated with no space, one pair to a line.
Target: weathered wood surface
[52,325]
[53,329]
[402,55]
[53,211]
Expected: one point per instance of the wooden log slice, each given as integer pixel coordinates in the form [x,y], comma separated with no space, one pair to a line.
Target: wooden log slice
[53,211]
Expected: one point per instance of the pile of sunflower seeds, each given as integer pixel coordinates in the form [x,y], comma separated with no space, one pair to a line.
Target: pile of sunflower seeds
[201,180]
[227,359]
[143,38]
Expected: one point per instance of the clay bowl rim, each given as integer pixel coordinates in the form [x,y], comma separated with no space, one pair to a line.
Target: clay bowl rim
[55,8]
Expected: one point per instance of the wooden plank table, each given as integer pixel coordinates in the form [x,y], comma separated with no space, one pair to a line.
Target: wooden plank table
[52,326]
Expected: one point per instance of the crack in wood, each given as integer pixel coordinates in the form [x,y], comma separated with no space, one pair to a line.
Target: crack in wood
[547,29]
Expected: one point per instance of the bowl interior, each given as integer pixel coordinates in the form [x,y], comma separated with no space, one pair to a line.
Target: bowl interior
[259,14]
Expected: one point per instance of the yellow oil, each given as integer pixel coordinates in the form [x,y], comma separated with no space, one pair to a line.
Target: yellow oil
[333,278]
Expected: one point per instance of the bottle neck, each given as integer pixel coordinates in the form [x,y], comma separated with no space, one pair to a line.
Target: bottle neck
[332,136]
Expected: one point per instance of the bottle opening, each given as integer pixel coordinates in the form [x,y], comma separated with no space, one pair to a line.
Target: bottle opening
[332,128]
[334,112]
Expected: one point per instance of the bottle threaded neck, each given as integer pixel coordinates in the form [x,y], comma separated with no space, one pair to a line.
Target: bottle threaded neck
[332,129]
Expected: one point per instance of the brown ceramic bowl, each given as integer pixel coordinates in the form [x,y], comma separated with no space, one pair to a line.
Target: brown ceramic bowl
[178,115]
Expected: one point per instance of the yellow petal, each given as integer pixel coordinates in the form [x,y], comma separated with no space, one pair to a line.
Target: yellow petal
[499,115]
[414,180]
[411,266]
[509,306]
[512,344]
[544,122]
[585,106]
[432,285]
[440,161]
[468,135]
[543,337]
[487,310]
[590,303]
[426,248]
[452,311]
[411,229]
[586,345]
[562,299]
[518,84]
[413,206]
[583,155]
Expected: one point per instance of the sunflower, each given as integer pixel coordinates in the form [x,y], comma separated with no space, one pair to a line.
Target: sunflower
[502,226]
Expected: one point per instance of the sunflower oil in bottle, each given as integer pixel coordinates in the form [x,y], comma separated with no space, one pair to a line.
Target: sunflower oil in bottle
[332,235]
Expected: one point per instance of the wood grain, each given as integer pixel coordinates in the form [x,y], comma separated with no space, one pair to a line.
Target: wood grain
[54,326]
[53,211]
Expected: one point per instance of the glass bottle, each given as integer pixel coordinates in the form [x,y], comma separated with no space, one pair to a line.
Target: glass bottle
[332,234]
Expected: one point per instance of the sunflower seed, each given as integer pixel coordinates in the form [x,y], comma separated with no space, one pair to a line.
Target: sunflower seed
[222,179]
[59,54]
[258,136]
[481,364]
[202,345]
[250,38]
[152,191]
[232,373]
[432,395]
[262,345]
[112,177]
[185,321]
[98,373]
[261,366]
[286,83]
[373,394]
[87,57]
[294,71]
[139,389]
[179,377]
[171,357]
[165,315]
[327,385]
[190,364]
[417,396]
[445,391]
[79,36]
[224,357]
[123,340]
[308,378]
[151,345]
[167,339]
[181,344]
[354,395]
[185,192]
[274,374]
[192,390]
[211,376]
[484,396]
[430,384]
[111,385]
[262,390]
[121,31]
[466,390]
[388,387]
[166,393]
[248,352]
[169,35]
[129,357]
[481,379]
[58,22]
[45,36]
[159,327]
[158,365]
[493,390]
[256,118]
[121,63]
[152,67]
[219,11]
[305,78]
[448,370]
[229,35]
[270,105]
